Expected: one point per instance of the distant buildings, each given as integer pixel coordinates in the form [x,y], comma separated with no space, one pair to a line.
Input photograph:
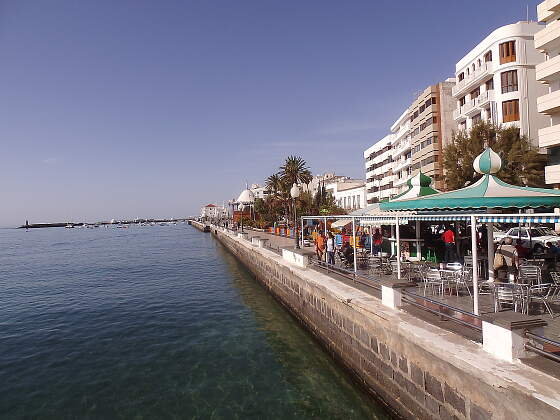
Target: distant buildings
[259,191]
[212,211]
[349,194]
[379,170]
[547,40]
[496,81]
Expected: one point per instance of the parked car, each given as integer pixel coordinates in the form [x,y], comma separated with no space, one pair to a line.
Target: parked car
[534,238]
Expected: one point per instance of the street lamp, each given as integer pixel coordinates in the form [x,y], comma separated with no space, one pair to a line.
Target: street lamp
[294,192]
[241,207]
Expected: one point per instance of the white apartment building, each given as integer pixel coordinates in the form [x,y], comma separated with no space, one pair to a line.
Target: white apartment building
[349,194]
[259,191]
[379,170]
[496,81]
[547,40]
[402,152]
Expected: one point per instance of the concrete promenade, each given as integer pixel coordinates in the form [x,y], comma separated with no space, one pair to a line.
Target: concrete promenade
[419,369]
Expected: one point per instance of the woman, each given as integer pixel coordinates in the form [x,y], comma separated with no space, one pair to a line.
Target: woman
[330,249]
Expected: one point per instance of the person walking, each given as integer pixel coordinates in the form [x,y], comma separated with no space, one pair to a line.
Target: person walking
[330,249]
[506,260]
[449,240]
[320,246]
[377,241]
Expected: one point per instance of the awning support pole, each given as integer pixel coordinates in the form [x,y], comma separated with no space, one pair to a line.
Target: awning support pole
[302,233]
[418,246]
[325,253]
[490,244]
[371,239]
[355,244]
[398,247]
[475,264]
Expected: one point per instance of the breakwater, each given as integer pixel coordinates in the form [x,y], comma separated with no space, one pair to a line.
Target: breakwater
[419,370]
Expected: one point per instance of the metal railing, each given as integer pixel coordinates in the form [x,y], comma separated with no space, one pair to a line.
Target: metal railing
[541,351]
[442,310]
[349,274]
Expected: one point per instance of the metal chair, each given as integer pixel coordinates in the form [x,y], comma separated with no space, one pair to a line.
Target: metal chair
[463,279]
[432,278]
[529,274]
[509,294]
[545,294]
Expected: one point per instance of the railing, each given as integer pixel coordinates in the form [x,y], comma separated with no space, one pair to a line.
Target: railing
[351,275]
[443,310]
[542,351]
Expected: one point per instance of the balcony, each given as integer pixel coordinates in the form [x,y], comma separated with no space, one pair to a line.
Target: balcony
[484,98]
[465,110]
[549,136]
[475,78]
[548,38]
[552,174]
[402,163]
[548,70]
[549,103]
[547,8]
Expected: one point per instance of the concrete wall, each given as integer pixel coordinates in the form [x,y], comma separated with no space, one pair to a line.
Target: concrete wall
[419,370]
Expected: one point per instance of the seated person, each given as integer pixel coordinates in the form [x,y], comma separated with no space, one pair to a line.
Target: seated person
[552,249]
[522,252]
[347,251]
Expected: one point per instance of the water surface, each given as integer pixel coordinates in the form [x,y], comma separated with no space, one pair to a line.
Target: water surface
[153,322]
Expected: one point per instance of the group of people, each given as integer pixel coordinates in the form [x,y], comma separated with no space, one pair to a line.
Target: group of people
[328,245]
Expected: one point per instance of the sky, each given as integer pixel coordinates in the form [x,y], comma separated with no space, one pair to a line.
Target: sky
[123,109]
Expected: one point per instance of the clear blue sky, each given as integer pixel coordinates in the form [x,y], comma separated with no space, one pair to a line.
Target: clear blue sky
[113,109]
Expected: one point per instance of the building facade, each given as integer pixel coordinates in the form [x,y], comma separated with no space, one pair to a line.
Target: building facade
[349,194]
[431,128]
[496,81]
[402,152]
[211,211]
[547,41]
[379,170]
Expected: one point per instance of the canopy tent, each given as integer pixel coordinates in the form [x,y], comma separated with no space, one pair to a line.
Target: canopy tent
[419,185]
[488,192]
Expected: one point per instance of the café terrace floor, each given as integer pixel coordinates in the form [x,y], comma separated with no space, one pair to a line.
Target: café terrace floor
[369,283]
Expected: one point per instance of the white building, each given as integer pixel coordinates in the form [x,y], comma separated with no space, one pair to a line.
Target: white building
[402,152]
[379,170]
[349,194]
[259,191]
[547,40]
[496,81]
[322,179]
[211,211]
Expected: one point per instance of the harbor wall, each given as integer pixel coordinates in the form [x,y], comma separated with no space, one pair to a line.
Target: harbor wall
[418,370]
[203,227]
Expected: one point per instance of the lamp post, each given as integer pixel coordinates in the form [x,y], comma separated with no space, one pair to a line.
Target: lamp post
[294,192]
[241,207]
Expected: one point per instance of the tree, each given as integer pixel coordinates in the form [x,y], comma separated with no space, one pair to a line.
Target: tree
[295,170]
[521,162]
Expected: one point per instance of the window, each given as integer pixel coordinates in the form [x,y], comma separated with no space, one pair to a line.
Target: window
[507,52]
[479,63]
[510,110]
[488,57]
[476,119]
[461,77]
[462,101]
[490,84]
[434,101]
[422,108]
[475,93]
[509,81]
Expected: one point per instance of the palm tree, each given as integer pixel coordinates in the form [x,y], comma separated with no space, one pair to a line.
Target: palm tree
[295,170]
[273,183]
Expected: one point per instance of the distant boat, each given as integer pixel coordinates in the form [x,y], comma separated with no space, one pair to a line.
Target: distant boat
[69,226]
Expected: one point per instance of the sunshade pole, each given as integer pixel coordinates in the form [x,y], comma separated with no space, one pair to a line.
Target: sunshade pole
[490,244]
[475,264]
[418,247]
[325,254]
[398,247]
[355,244]
[371,239]
[302,233]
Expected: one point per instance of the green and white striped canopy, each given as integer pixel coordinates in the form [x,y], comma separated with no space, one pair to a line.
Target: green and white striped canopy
[487,192]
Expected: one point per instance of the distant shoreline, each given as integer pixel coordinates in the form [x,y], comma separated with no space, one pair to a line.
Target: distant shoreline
[119,222]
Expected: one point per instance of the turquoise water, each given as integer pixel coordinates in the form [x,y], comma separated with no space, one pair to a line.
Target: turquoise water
[153,322]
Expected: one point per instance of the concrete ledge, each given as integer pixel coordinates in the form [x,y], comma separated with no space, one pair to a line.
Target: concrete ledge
[298,257]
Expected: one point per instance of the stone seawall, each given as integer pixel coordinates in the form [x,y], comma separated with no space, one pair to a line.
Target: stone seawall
[200,226]
[417,369]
